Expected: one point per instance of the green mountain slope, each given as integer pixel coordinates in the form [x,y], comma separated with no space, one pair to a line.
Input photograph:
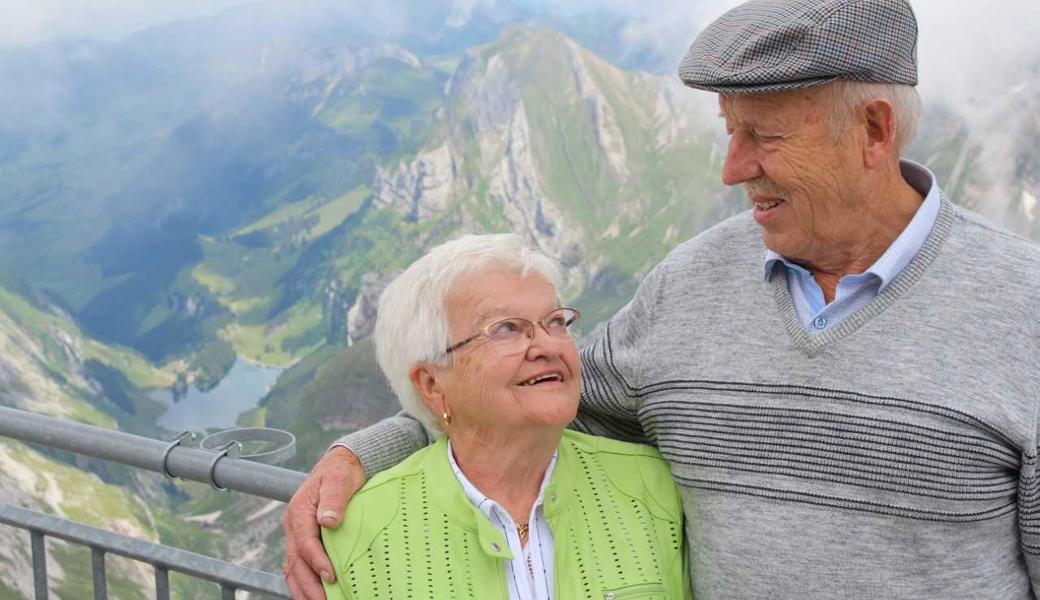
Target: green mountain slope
[49,367]
[195,193]
[535,135]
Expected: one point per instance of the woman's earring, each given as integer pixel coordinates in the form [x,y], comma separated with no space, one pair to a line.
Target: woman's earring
[447,418]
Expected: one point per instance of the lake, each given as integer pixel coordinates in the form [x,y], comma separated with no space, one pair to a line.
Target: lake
[240,390]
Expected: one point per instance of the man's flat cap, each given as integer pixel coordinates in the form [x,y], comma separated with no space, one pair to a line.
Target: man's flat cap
[773,45]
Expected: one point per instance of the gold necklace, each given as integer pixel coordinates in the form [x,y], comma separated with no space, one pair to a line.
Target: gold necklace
[522,530]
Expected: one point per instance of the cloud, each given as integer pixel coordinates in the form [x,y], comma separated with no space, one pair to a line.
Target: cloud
[965,46]
[462,11]
[970,50]
[33,21]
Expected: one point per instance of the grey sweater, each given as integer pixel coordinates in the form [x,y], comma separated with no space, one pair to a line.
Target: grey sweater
[893,456]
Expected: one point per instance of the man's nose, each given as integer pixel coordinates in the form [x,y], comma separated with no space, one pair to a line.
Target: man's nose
[741,161]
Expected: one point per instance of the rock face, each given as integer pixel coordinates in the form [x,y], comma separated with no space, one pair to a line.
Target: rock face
[514,185]
[545,139]
[361,318]
[489,160]
[33,481]
[419,189]
[28,478]
[608,134]
[23,384]
[319,73]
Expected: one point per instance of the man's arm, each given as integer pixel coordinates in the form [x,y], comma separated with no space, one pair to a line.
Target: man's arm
[323,496]
[611,368]
[386,443]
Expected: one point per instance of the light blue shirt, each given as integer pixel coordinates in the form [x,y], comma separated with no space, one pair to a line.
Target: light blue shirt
[854,291]
[529,576]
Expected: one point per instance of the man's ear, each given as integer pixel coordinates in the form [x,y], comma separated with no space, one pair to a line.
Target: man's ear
[426,380]
[879,121]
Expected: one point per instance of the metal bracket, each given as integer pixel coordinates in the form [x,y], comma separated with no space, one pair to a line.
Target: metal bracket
[232,449]
[166,453]
[279,446]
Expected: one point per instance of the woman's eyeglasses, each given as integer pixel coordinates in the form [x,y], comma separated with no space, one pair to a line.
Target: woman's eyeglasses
[514,335]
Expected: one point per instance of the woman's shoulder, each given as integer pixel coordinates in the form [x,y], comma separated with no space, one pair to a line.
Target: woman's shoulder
[597,444]
[372,509]
[636,470]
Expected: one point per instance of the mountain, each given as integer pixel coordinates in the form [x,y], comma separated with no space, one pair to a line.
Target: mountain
[533,134]
[236,178]
[186,130]
[245,185]
[241,219]
[49,367]
[986,154]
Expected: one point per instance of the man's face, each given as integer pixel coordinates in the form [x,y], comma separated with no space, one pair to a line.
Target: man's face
[804,185]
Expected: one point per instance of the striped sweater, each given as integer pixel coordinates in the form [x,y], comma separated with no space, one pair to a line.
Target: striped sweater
[893,456]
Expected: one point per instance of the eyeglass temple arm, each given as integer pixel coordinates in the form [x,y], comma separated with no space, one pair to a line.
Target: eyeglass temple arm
[455,347]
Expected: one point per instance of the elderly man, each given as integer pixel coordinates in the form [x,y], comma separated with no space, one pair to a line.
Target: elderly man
[846,379]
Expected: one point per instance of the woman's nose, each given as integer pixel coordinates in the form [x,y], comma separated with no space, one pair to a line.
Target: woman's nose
[541,341]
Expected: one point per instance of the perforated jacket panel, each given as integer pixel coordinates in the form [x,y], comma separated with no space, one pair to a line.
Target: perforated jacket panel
[613,508]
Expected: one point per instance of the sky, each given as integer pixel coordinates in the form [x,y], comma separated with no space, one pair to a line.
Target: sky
[960,40]
[33,21]
[967,48]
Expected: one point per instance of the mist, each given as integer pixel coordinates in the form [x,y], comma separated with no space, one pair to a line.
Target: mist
[965,47]
[978,61]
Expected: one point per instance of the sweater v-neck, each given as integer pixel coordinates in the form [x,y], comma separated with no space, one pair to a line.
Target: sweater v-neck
[815,344]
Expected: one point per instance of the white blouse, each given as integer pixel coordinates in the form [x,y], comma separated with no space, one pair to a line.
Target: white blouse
[531,576]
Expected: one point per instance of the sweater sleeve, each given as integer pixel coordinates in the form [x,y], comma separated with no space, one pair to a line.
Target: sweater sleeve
[610,365]
[386,443]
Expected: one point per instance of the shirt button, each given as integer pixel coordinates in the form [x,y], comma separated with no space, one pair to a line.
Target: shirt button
[820,322]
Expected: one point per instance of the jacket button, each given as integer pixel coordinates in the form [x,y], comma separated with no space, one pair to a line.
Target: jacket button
[608,596]
[495,546]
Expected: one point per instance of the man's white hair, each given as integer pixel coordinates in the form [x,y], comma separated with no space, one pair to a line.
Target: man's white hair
[848,96]
[412,322]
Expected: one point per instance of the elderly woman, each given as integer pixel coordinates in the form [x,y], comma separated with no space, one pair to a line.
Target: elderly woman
[507,504]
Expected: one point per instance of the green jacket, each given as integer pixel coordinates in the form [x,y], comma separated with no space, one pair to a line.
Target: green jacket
[613,509]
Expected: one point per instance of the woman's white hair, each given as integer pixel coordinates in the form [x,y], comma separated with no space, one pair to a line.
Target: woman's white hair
[848,96]
[412,323]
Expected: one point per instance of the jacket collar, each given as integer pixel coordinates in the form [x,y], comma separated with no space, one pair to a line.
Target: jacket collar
[447,493]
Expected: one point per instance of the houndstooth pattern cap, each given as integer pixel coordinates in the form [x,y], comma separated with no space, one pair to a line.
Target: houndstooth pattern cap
[774,45]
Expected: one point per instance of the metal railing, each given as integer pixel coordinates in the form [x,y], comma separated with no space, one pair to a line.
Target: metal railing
[219,468]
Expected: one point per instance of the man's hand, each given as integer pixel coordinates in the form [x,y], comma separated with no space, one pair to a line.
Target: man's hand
[320,500]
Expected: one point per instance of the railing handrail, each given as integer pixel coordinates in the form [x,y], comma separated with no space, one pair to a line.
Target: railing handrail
[174,460]
[275,483]
[162,557]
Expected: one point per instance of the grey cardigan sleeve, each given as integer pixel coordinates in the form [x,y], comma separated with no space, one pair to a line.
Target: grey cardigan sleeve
[386,443]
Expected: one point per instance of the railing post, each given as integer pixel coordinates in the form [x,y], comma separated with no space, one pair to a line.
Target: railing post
[162,584]
[97,560]
[227,593]
[39,560]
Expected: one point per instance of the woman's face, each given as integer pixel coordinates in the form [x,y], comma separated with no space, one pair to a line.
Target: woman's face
[488,387]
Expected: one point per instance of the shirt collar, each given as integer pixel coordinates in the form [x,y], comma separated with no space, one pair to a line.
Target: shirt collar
[906,245]
[484,504]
